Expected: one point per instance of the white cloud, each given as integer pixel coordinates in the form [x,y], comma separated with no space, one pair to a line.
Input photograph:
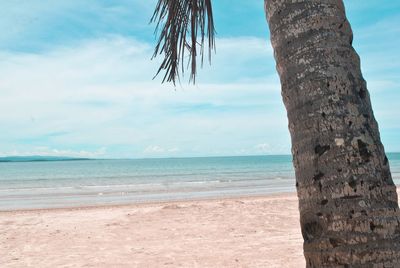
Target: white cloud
[45,151]
[155,149]
[263,147]
[100,94]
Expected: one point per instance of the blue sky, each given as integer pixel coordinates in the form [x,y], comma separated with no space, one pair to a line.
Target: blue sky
[76,80]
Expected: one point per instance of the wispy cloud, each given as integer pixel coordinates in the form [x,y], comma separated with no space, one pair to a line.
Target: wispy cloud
[76,77]
[45,151]
[158,150]
[100,94]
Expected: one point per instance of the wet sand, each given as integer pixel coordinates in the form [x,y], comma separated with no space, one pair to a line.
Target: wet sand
[234,232]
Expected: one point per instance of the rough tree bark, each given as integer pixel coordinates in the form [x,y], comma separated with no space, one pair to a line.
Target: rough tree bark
[347,200]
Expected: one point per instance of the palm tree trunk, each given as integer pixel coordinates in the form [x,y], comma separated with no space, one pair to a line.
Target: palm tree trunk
[347,199]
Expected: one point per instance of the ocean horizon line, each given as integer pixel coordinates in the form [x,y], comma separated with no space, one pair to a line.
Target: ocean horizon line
[50,158]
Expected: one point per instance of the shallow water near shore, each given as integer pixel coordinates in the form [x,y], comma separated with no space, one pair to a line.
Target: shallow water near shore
[30,185]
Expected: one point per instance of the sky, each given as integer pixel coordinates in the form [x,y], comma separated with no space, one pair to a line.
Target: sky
[76,79]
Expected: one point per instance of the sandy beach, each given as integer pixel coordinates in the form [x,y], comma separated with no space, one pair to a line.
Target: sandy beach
[234,232]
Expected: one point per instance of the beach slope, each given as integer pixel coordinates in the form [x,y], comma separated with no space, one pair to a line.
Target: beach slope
[234,232]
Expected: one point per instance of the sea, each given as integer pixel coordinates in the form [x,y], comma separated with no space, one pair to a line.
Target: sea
[56,184]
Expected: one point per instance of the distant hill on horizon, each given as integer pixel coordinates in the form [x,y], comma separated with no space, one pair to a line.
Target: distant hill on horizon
[39,158]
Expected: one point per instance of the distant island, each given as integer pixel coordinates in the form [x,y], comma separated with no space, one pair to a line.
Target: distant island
[39,158]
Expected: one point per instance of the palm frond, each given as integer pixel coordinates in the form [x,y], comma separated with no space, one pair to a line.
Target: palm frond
[183,26]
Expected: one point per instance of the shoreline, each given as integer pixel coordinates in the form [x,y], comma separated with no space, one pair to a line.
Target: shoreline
[149,202]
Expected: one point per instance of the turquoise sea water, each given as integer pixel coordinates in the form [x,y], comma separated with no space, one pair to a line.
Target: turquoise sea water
[25,185]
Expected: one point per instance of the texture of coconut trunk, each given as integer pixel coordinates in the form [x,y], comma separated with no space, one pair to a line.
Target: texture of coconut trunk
[347,198]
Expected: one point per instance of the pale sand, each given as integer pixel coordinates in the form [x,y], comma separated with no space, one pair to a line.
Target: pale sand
[235,232]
